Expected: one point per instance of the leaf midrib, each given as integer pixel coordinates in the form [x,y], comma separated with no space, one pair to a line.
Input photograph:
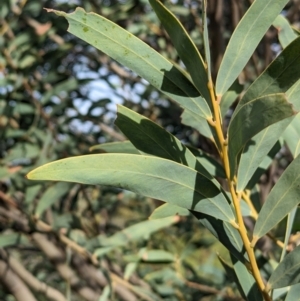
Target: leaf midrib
[157,177]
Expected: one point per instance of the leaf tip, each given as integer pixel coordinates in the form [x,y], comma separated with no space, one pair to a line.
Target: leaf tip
[57,12]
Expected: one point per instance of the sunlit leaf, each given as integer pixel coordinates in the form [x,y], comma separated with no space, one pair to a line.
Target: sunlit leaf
[245,38]
[138,56]
[150,176]
[150,138]
[292,136]
[279,76]
[185,47]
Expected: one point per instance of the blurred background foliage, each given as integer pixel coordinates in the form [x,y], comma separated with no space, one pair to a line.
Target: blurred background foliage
[58,96]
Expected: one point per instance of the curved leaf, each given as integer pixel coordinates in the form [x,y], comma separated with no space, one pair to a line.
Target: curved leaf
[257,154]
[138,56]
[253,117]
[282,199]
[287,272]
[245,39]
[279,76]
[166,210]
[150,176]
[185,47]
[248,286]
[205,37]
[150,138]
[292,136]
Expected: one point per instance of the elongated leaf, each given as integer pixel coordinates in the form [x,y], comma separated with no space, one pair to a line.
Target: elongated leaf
[51,196]
[200,124]
[292,136]
[292,95]
[135,232]
[138,56]
[125,147]
[150,176]
[287,272]
[225,233]
[286,33]
[254,156]
[253,117]
[205,37]
[229,97]
[257,155]
[152,139]
[262,167]
[166,210]
[279,292]
[245,39]
[293,293]
[288,231]
[210,164]
[282,199]
[279,76]
[247,283]
[185,47]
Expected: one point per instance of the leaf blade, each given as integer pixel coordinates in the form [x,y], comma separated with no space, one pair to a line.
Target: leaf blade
[253,117]
[136,55]
[287,272]
[282,199]
[144,175]
[185,47]
[244,40]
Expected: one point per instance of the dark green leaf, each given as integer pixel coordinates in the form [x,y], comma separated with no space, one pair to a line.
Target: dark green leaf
[283,198]
[287,272]
[185,47]
[253,117]
[279,76]
[257,156]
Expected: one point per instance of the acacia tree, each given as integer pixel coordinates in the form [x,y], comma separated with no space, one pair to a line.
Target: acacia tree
[31,123]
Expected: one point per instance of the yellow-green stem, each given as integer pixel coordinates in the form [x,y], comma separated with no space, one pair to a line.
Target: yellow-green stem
[235,197]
